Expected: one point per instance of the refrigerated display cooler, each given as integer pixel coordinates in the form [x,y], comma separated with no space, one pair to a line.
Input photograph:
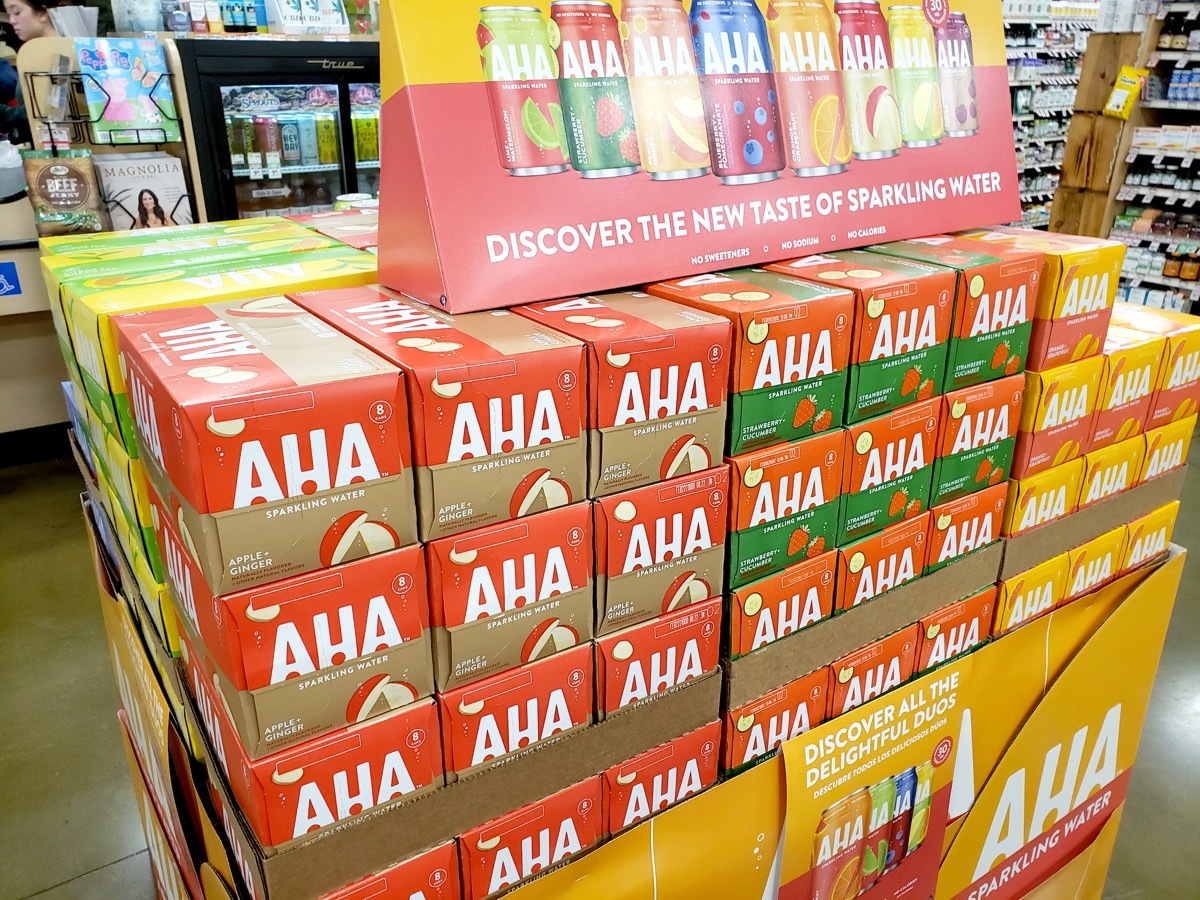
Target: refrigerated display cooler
[281,126]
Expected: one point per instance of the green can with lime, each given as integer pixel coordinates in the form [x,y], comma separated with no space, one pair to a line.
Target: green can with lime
[597,107]
[520,70]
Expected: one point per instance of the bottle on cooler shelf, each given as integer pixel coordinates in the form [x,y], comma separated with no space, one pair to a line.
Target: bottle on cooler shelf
[322,196]
[737,84]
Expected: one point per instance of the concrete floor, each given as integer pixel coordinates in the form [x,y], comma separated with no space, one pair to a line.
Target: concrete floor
[69,827]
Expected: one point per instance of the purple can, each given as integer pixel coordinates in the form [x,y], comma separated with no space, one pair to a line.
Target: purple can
[956,75]
[737,85]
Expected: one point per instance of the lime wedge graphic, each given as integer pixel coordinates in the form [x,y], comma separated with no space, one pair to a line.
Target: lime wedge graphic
[556,118]
[870,861]
[537,128]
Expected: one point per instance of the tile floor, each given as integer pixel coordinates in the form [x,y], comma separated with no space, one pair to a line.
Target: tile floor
[69,827]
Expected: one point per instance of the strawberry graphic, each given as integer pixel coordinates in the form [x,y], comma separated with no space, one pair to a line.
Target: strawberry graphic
[822,422]
[985,468]
[997,476]
[926,390]
[817,547]
[1013,366]
[999,355]
[912,380]
[913,509]
[805,410]
[798,541]
[899,500]
[629,147]
[610,118]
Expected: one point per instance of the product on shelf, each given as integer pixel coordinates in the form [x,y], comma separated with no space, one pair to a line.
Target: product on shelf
[648,361]
[278,443]
[644,660]
[1030,594]
[1148,536]
[497,405]
[660,777]
[962,526]
[872,670]
[755,729]
[1177,391]
[1111,470]
[1037,499]
[432,875]
[902,323]
[1132,366]
[1167,448]
[977,438]
[1094,564]
[139,242]
[660,548]
[889,471]
[509,594]
[955,629]
[771,608]
[870,567]
[787,502]
[1056,415]
[791,350]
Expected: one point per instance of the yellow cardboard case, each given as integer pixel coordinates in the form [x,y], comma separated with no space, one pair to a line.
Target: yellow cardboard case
[989,723]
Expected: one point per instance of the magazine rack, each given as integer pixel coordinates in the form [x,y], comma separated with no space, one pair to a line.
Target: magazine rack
[41,85]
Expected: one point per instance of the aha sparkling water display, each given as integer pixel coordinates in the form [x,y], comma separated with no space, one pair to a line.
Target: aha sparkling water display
[667,108]
[916,76]
[812,103]
[521,71]
[733,56]
[867,75]
[956,72]
[595,94]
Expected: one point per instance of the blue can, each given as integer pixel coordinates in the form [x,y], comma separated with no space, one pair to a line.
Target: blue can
[906,793]
[737,85]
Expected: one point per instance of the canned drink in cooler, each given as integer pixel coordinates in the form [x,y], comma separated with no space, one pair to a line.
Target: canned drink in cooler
[521,71]
[737,84]
[812,104]
[243,125]
[922,804]
[867,76]
[266,134]
[327,138]
[956,72]
[237,148]
[347,201]
[310,155]
[668,113]
[837,868]
[916,75]
[883,800]
[366,134]
[289,140]
[597,111]
[902,813]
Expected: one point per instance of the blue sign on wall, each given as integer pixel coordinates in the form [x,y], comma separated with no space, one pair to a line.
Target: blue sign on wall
[10,284]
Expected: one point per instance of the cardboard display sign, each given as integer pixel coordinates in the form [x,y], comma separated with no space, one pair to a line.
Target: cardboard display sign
[661,140]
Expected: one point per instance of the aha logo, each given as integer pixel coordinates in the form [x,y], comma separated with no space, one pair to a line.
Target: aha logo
[864,51]
[1165,458]
[891,571]
[467,435]
[1093,572]
[772,734]
[1148,546]
[870,684]
[1108,481]
[1185,370]
[293,656]
[1130,386]
[778,498]
[163,866]
[519,587]
[804,51]
[247,277]
[981,429]
[804,356]
[1086,295]
[967,536]
[893,460]
[912,53]
[180,575]
[666,788]
[667,669]
[525,724]
[390,316]
[1032,603]
[661,396]
[508,871]
[912,329]
[998,311]
[591,59]
[732,53]
[238,856]
[788,616]
[1066,406]
[208,713]
[257,480]
[954,54]
[512,61]
[840,838]
[145,415]
[953,641]
[1047,506]
[314,808]
[672,540]
[1013,827]
[208,340]
[658,55]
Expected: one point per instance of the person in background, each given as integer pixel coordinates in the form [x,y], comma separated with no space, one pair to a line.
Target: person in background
[150,213]
[28,19]
[31,18]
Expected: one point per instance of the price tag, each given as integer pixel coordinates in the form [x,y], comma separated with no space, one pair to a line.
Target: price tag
[1131,156]
[1172,198]
[274,169]
[1171,248]
[1189,202]
[254,163]
[1182,61]
[1158,159]
[1147,198]
[1135,282]
[1153,61]
[1194,295]
[1192,14]
[1155,246]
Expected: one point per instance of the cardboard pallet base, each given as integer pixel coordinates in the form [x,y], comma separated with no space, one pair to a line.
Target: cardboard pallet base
[776,664]
[1047,541]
